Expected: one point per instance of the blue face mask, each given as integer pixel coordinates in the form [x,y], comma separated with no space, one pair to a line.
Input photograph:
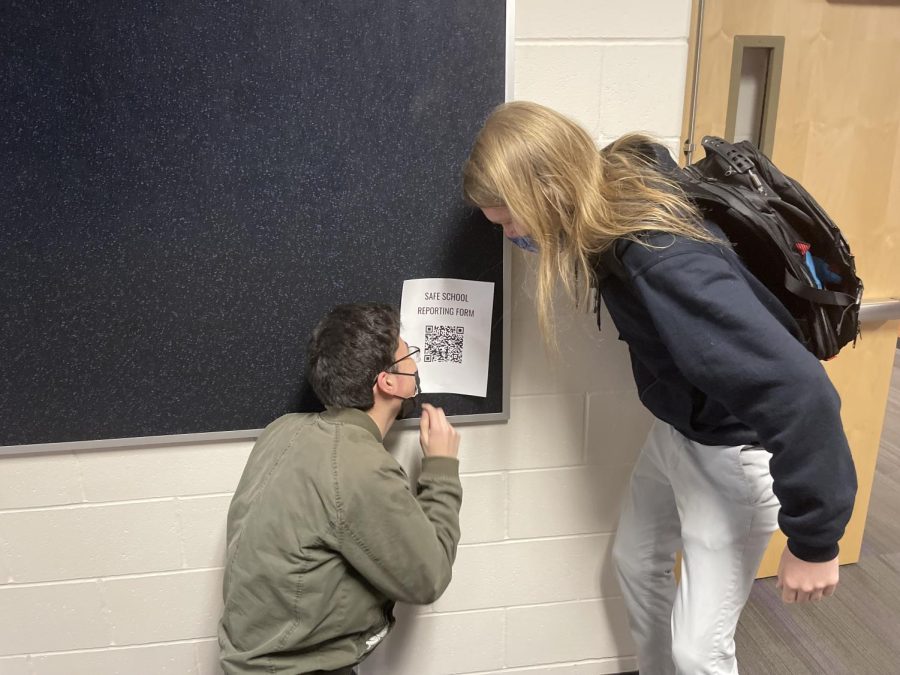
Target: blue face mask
[525,243]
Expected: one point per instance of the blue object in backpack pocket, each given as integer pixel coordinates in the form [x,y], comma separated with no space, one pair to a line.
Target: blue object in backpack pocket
[818,268]
[811,266]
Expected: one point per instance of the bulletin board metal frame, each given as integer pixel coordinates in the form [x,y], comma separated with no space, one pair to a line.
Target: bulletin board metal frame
[251,434]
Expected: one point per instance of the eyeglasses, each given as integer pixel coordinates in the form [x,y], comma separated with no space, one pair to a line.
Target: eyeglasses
[415,355]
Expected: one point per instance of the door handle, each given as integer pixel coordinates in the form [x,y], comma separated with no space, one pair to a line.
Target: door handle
[883,309]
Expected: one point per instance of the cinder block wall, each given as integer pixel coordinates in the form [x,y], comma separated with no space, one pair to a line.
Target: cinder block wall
[110,561]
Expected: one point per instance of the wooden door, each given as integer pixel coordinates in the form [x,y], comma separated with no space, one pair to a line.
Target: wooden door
[836,130]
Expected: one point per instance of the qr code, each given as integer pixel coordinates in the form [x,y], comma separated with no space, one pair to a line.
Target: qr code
[444,344]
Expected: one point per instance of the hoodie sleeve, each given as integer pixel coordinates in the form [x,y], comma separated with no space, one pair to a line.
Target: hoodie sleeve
[728,345]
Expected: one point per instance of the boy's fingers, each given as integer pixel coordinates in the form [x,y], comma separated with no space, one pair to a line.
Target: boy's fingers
[425,420]
[437,417]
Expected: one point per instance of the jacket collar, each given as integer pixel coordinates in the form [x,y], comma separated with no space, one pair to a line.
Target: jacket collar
[355,417]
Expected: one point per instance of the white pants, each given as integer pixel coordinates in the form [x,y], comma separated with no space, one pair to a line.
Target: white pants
[715,504]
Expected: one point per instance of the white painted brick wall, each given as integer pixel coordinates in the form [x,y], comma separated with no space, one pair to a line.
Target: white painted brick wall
[95,540]
[39,481]
[208,657]
[110,561]
[602,19]
[203,535]
[617,424]
[52,617]
[569,631]
[530,442]
[438,644]
[575,500]
[636,79]
[167,659]
[514,573]
[587,359]
[163,607]
[483,515]
[207,468]
[545,74]
[15,665]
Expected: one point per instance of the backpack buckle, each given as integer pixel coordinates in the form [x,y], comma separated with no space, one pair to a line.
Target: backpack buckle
[736,160]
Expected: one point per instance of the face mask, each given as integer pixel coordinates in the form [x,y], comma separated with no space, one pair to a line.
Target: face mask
[525,243]
[408,407]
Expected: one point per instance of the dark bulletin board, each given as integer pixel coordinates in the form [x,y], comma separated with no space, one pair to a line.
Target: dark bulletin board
[188,187]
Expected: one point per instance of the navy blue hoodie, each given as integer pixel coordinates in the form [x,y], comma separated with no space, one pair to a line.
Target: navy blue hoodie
[714,354]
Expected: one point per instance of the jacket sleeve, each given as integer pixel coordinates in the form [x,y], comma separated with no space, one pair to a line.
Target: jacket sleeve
[404,545]
[728,345]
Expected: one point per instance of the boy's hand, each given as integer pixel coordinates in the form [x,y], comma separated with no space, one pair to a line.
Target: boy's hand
[800,581]
[437,437]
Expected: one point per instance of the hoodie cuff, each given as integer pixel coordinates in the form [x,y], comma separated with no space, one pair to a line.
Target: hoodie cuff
[813,554]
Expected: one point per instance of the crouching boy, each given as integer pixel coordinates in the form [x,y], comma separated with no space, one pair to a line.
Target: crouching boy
[324,534]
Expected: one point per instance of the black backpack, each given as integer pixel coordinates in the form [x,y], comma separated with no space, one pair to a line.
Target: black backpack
[783,237]
[781,234]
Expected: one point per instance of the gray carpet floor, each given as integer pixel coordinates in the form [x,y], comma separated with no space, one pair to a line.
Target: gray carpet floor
[856,631]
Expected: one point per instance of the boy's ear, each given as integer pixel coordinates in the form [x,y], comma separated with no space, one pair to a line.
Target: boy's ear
[385,382]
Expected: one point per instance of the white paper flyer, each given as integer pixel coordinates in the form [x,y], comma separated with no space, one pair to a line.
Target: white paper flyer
[450,321]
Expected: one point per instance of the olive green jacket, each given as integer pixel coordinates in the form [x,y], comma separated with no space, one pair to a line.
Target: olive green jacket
[323,537]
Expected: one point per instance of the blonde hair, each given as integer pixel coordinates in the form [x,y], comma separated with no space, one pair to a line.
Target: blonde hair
[574,200]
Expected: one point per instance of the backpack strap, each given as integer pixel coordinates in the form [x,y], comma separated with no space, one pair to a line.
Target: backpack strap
[817,295]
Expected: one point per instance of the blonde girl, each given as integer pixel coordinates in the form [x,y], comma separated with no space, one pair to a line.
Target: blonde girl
[715,359]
